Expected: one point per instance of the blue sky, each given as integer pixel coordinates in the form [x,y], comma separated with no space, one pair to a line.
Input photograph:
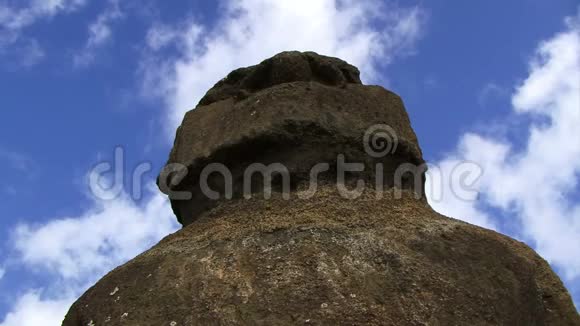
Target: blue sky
[493,82]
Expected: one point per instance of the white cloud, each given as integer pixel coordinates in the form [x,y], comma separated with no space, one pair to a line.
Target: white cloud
[33,10]
[2,272]
[14,20]
[447,193]
[491,91]
[100,33]
[365,33]
[76,251]
[31,310]
[160,36]
[534,183]
[109,233]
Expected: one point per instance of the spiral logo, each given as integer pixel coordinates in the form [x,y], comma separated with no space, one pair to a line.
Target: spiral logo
[380,140]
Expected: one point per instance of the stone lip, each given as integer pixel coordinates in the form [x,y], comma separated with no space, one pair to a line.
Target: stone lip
[283,68]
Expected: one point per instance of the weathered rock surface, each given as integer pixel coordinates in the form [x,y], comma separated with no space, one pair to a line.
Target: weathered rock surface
[299,109]
[320,259]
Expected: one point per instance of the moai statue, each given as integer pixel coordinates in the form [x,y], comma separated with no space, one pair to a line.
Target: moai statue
[301,195]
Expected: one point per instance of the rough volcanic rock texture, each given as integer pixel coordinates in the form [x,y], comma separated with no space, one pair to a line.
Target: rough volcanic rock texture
[299,109]
[283,68]
[321,260]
